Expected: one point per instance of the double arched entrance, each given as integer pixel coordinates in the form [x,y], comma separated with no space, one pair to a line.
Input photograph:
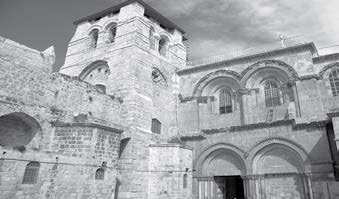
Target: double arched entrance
[274,168]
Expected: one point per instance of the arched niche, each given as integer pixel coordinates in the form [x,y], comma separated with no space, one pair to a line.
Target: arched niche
[94,36]
[223,162]
[220,160]
[96,73]
[277,159]
[261,74]
[329,74]
[277,155]
[163,46]
[283,164]
[259,79]
[206,85]
[111,30]
[17,129]
[248,75]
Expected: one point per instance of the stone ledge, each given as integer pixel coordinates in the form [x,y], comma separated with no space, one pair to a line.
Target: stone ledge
[93,125]
[171,145]
[266,125]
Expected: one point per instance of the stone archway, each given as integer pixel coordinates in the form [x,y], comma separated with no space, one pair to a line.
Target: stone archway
[17,129]
[218,173]
[277,171]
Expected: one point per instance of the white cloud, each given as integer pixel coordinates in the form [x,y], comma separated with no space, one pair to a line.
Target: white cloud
[223,25]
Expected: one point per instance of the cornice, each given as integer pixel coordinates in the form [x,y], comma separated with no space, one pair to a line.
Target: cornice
[257,56]
[91,125]
[317,124]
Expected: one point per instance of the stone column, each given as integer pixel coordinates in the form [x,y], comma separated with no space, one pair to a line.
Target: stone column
[296,99]
[335,122]
[255,187]
[241,96]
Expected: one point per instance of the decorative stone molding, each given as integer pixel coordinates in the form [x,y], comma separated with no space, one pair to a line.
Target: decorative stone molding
[192,137]
[318,124]
[327,67]
[93,125]
[289,70]
[220,73]
[308,77]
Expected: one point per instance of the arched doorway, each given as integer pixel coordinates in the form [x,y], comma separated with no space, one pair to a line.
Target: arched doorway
[219,171]
[277,172]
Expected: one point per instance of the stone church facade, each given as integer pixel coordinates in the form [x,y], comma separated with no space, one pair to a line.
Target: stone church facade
[128,117]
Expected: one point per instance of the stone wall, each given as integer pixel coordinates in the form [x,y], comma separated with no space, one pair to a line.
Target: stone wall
[71,129]
[168,166]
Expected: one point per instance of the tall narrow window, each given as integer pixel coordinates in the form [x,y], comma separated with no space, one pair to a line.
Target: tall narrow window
[94,38]
[156,126]
[100,174]
[184,181]
[272,96]
[31,173]
[163,45]
[334,81]
[225,102]
[112,33]
[151,38]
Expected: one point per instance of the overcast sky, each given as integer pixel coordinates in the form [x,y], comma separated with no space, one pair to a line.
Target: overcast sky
[212,27]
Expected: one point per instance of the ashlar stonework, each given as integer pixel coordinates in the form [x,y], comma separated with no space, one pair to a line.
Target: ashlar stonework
[128,117]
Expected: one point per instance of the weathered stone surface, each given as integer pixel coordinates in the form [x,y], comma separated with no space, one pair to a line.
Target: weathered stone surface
[96,113]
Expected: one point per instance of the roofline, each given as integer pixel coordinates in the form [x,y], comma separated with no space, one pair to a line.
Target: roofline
[218,64]
[148,11]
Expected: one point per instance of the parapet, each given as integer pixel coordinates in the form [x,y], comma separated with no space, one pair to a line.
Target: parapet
[11,51]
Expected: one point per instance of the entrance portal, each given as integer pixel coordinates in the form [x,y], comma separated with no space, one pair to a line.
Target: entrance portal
[221,187]
[229,187]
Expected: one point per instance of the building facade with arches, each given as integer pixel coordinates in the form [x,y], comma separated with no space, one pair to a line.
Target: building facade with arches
[128,116]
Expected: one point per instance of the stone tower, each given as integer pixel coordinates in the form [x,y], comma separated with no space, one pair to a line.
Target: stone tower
[132,52]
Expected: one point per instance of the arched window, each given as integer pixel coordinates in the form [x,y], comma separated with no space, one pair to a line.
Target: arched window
[31,173]
[100,174]
[272,96]
[225,102]
[94,38]
[184,181]
[156,126]
[163,45]
[334,81]
[101,87]
[151,38]
[112,33]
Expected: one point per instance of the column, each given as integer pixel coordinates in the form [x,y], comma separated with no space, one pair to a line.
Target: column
[296,99]
[241,96]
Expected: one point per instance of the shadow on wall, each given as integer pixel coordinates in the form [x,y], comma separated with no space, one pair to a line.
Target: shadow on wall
[17,129]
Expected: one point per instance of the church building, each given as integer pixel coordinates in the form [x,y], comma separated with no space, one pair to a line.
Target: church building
[128,116]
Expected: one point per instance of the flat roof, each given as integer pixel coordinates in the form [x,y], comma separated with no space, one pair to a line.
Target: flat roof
[149,11]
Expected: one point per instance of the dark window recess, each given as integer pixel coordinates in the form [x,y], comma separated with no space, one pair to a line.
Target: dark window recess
[112,33]
[101,88]
[156,126]
[156,76]
[334,81]
[272,96]
[94,38]
[31,173]
[225,102]
[100,174]
[185,181]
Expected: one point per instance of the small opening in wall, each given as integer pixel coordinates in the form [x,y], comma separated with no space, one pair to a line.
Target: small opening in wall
[156,126]
[100,174]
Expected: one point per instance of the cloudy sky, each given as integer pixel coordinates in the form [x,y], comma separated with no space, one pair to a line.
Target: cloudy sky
[212,26]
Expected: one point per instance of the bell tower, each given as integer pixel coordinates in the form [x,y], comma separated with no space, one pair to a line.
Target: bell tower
[132,52]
